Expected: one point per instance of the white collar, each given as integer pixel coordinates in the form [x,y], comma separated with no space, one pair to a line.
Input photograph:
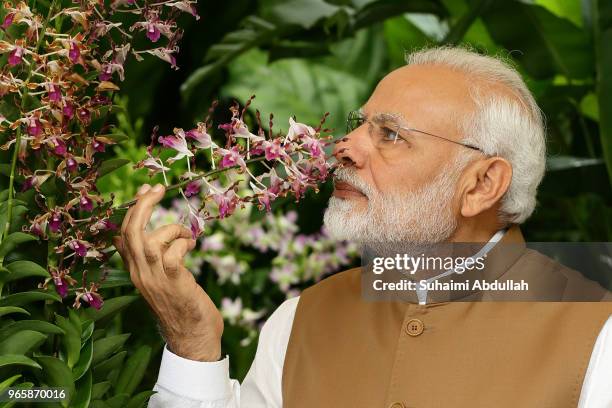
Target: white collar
[422,293]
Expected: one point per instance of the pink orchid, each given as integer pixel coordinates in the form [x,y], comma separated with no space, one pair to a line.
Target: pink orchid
[298,129]
[153,32]
[201,137]
[8,21]
[79,247]
[56,221]
[231,158]
[93,299]
[60,147]
[103,225]
[68,110]
[273,149]
[192,188]
[71,165]
[85,203]
[178,143]
[313,146]
[16,56]
[61,285]
[265,198]
[186,6]
[98,146]
[276,183]
[74,52]
[226,202]
[154,165]
[34,127]
[55,93]
[197,223]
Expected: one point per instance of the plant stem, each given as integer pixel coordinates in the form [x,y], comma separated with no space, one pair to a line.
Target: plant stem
[199,176]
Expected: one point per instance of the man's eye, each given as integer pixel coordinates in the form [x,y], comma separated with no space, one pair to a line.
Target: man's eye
[389,135]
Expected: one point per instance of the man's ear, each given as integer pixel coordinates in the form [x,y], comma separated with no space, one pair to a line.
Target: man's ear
[484,184]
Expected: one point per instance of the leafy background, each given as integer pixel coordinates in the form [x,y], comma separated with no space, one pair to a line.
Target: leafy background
[303,58]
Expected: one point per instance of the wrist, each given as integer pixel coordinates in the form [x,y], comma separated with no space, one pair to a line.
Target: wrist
[205,348]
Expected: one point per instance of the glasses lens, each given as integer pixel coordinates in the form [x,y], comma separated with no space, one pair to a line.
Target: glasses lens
[353,121]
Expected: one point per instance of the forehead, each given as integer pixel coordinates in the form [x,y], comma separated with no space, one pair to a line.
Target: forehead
[429,97]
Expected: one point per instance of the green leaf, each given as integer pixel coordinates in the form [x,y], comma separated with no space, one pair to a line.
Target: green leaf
[35,325]
[105,347]
[256,32]
[87,329]
[85,358]
[72,340]
[8,382]
[589,106]
[25,269]
[23,298]
[548,45]
[117,137]
[133,371]
[602,16]
[100,389]
[22,342]
[57,374]
[102,370]
[83,392]
[111,165]
[75,320]
[118,401]
[139,400]
[110,308]
[557,163]
[305,13]
[12,309]
[99,404]
[14,239]
[17,359]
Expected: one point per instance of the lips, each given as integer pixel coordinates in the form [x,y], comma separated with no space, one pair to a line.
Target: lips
[343,189]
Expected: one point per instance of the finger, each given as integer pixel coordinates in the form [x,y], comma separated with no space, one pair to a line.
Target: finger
[145,205]
[163,236]
[173,257]
[118,243]
[126,220]
[127,261]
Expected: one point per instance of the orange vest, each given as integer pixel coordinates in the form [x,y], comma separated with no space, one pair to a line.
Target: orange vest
[347,352]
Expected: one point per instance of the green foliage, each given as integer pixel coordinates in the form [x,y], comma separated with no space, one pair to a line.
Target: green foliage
[302,58]
[45,343]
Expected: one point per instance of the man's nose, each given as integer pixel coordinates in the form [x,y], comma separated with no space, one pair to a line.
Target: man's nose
[349,151]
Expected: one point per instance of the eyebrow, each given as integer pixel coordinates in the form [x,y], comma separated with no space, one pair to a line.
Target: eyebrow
[389,118]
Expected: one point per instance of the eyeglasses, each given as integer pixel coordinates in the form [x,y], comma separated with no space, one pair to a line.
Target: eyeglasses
[387,131]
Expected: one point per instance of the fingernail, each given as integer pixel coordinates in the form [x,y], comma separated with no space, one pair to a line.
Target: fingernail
[143,189]
[157,188]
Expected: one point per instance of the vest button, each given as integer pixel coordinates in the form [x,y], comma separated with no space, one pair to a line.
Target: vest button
[414,327]
[397,405]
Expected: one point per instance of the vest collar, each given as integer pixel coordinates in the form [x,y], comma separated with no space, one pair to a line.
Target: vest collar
[500,253]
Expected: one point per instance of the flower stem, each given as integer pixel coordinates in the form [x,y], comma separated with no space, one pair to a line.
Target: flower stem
[199,176]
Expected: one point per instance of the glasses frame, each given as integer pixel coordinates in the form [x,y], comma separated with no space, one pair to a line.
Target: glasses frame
[358,116]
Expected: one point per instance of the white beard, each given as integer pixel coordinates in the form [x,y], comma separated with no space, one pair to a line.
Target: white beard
[416,218]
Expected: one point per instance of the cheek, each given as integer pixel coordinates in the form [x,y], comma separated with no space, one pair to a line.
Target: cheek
[405,175]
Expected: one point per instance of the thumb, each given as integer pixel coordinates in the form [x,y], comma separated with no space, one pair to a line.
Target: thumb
[118,243]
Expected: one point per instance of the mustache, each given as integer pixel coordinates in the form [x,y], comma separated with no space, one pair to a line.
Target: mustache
[349,175]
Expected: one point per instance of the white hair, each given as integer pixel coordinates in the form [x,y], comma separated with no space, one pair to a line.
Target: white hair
[509,127]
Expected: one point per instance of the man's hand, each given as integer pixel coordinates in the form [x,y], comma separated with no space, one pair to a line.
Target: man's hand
[189,320]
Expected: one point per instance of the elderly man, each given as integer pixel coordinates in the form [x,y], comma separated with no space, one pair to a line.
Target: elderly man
[449,148]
